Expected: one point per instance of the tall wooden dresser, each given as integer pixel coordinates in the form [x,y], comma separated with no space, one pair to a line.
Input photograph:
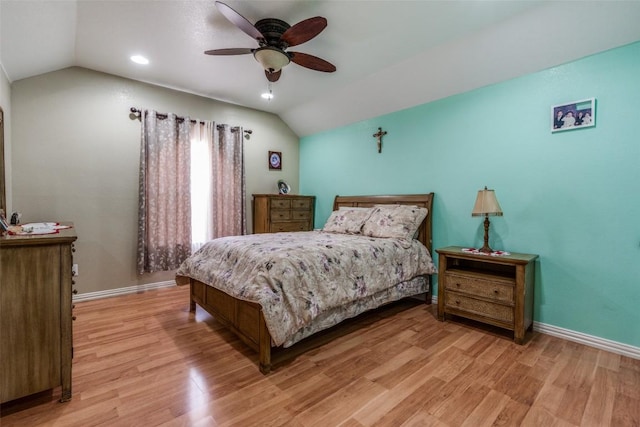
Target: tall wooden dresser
[35,314]
[273,213]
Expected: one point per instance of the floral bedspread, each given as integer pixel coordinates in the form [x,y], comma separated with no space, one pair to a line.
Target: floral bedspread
[303,276]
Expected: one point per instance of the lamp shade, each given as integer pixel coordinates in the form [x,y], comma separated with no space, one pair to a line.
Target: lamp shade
[486,204]
[271,59]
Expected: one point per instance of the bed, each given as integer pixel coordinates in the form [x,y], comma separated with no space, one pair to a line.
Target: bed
[270,312]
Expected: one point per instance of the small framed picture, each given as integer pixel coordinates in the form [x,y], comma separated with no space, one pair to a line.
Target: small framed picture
[573,115]
[275,160]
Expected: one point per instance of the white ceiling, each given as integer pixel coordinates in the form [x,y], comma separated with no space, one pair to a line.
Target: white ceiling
[389,55]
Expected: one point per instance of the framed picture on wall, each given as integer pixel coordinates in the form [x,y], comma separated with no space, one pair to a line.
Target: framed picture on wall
[573,115]
[275,160]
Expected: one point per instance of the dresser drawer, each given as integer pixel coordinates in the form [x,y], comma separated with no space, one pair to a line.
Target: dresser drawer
[300,215]
[278,215]
[486,309]
[279,227]
[301,204]
[497,289]
[278,203]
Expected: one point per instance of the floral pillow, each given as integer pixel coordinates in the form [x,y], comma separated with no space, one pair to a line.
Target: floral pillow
[399,221]
[348,221]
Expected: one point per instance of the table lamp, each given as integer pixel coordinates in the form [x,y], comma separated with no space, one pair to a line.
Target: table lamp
[486,204]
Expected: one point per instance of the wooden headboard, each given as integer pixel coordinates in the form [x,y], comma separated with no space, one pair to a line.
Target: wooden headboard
[421,200]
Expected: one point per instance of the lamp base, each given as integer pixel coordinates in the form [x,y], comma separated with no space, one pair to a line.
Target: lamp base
[486,249]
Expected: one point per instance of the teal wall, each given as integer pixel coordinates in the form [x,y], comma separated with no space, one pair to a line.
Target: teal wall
[572,197]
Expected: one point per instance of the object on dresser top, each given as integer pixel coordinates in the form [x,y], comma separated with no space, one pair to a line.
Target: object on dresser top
[15,218]
[283,187]
[37,228]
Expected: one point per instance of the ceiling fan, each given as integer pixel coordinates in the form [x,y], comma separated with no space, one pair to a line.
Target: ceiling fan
[274,37]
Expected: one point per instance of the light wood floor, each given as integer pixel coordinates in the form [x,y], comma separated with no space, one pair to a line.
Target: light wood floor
[144,360]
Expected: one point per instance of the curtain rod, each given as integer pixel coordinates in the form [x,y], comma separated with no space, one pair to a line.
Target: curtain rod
[138,112]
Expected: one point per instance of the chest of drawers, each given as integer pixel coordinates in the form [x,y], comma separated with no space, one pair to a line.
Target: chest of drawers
[274,213]
[36,314]
[497,290]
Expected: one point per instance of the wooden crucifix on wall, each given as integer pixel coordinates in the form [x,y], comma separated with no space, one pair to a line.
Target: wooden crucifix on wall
[379,136]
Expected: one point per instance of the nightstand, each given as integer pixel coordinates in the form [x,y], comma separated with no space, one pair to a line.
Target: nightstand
[497,290]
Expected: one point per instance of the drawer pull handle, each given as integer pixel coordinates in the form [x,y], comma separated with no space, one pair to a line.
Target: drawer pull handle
[75,291]
[73,318]
[495,291]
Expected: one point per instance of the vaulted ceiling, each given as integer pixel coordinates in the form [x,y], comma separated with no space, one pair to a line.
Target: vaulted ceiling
[389,55]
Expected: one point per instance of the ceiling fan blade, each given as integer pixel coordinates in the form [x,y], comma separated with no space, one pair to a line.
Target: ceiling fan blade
[232,51]
[311,62]
[304,31]
[273,77]
[239,21]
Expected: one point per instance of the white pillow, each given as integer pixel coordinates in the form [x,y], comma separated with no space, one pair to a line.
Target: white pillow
[348,220]
[399,221]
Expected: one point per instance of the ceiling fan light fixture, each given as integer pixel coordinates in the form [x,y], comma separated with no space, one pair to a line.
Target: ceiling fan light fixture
[271,59]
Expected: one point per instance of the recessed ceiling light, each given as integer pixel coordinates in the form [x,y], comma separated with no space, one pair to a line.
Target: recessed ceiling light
[139,59]
[267,95]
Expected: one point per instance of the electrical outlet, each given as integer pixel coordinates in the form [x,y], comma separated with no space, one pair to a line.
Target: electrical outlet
[74,269]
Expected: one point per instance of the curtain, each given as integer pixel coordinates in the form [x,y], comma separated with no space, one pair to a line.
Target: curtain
[227,182]
[164,211]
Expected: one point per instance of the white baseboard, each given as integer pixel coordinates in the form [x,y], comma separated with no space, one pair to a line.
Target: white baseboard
[579,337]
[122,291]
[590,340]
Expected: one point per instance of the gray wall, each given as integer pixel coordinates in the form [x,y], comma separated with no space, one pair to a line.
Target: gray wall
[75,154]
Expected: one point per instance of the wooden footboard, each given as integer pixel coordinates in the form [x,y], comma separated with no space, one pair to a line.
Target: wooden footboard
[244,318]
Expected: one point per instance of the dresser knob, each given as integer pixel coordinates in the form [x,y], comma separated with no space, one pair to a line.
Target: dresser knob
[73,282]
[73,306]
[73,318]
[495,291]
[458,301]
[458,285]
[75,291]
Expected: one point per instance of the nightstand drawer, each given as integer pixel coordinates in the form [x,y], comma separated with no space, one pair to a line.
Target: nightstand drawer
[477,307]
[496,289]
[280,215]
[279,227]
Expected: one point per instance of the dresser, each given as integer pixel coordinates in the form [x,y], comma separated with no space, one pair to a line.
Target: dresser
[273,213]
[496,290]
[35,314]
